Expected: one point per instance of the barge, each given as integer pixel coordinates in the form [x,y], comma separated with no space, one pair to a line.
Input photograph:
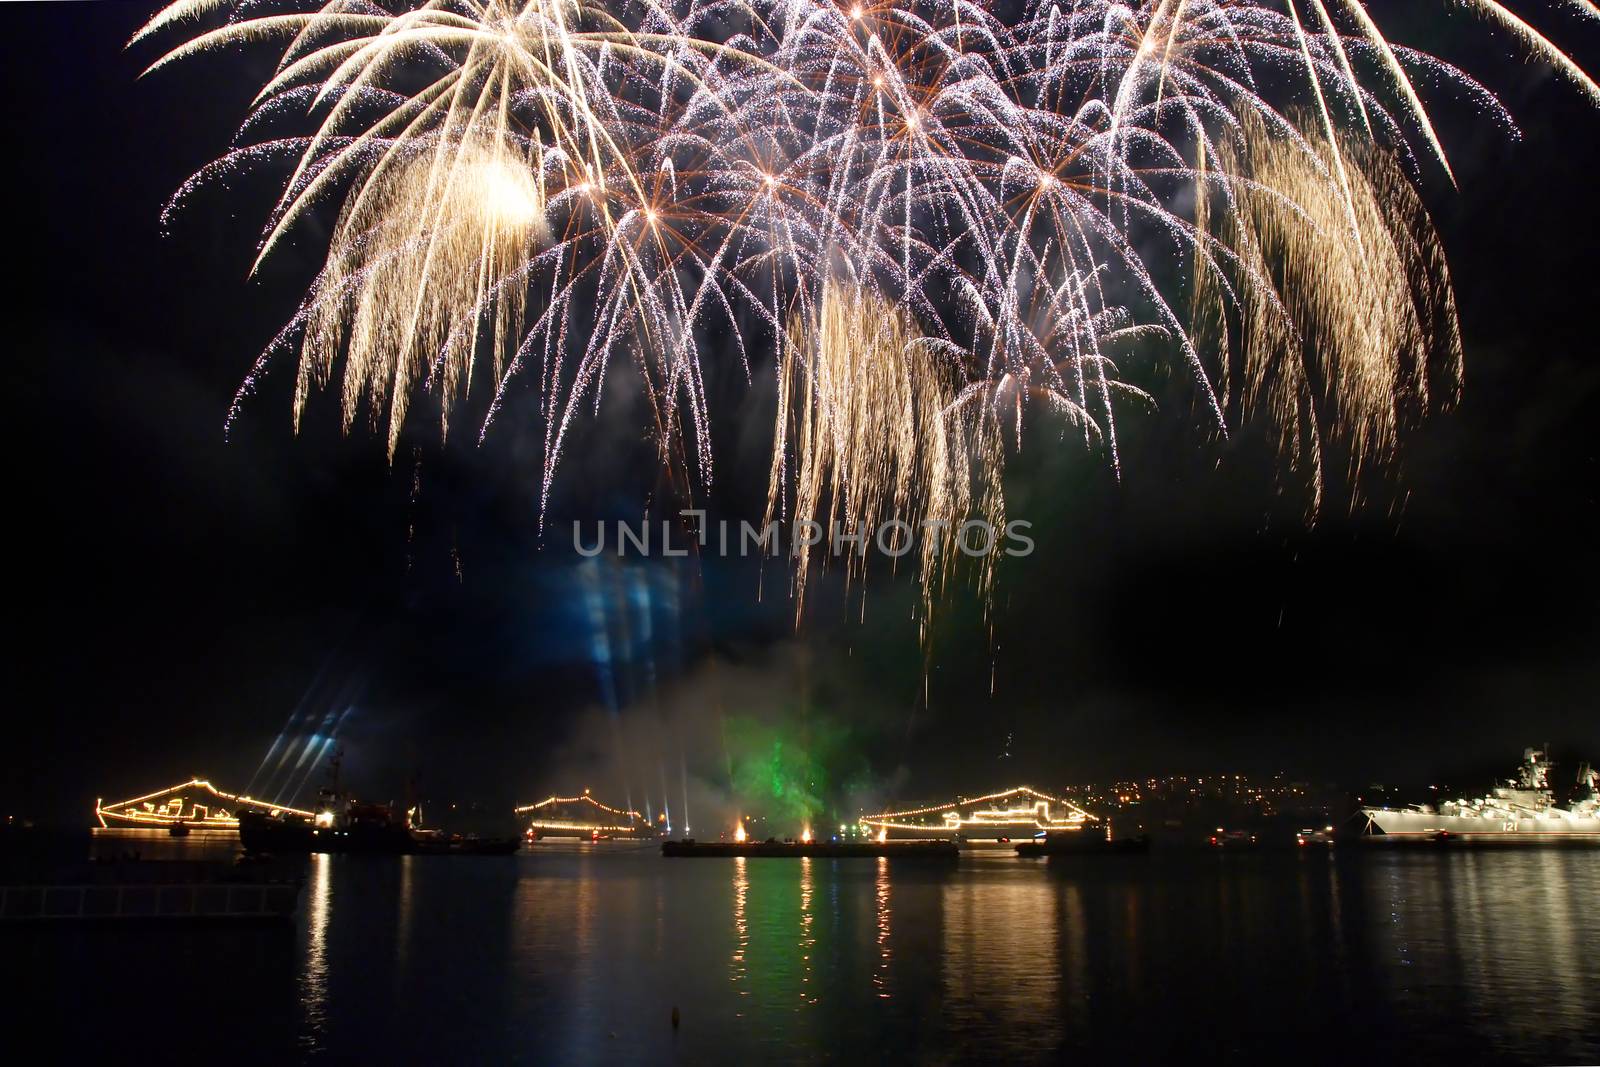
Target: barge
[919,849]
[1083,845]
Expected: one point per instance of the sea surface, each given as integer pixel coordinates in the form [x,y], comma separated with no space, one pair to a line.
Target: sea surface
[573,954]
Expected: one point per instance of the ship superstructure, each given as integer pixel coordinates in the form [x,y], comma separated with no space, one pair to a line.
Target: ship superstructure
[195,803]
[1524,808]
[1015,814]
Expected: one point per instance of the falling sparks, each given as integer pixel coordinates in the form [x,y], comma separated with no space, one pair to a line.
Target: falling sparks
[446,229]
[871,440]
[935,221]
[1367,320]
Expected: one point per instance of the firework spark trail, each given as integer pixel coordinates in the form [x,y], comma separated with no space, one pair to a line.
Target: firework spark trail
[870,415]
[1377,330]
[562,184]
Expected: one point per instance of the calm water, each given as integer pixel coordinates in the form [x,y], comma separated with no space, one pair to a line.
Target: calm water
[575,955]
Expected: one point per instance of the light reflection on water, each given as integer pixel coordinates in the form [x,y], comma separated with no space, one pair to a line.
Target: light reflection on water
[1493,940]
[408,908]
[1001,957]
[881,914]
[741,923]
[317,900]
[581,955]
[807,942]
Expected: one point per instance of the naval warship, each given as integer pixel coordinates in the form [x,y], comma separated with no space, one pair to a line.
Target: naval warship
[1524,809]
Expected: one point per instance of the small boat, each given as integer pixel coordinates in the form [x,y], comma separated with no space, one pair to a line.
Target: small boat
[178,829]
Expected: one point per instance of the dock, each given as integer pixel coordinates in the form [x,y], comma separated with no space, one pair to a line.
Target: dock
[151,892]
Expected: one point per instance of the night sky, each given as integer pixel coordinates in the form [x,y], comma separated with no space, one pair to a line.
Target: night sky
[177,600]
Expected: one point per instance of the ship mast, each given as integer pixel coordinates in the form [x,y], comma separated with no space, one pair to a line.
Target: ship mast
[331,792]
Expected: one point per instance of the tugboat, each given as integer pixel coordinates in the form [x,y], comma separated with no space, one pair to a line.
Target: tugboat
[1521,811]
[343,824]
[357,827]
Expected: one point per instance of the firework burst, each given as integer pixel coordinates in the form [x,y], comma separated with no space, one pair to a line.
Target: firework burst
[928,219]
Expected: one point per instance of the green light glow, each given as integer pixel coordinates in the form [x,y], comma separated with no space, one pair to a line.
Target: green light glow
[791,775]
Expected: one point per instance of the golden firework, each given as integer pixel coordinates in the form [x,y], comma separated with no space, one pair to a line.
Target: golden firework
[1346,312]
[412,266]
[869,439]
[931,214]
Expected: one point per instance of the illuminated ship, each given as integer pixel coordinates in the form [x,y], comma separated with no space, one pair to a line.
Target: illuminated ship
[583,818]
[1016,814]
[1524,809]
[196,804]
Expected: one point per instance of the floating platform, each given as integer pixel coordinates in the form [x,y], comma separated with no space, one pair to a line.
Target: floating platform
[434,844]
[932,849]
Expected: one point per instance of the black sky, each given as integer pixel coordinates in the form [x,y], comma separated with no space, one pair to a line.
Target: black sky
[175,597]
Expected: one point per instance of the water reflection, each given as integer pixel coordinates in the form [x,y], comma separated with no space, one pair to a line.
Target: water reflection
[808,942]
[1074,950]
[314,976]
[407,909]
[583,956]
[881,913]
[1498,942]
[1002,970]
[741,924]
[556,950]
